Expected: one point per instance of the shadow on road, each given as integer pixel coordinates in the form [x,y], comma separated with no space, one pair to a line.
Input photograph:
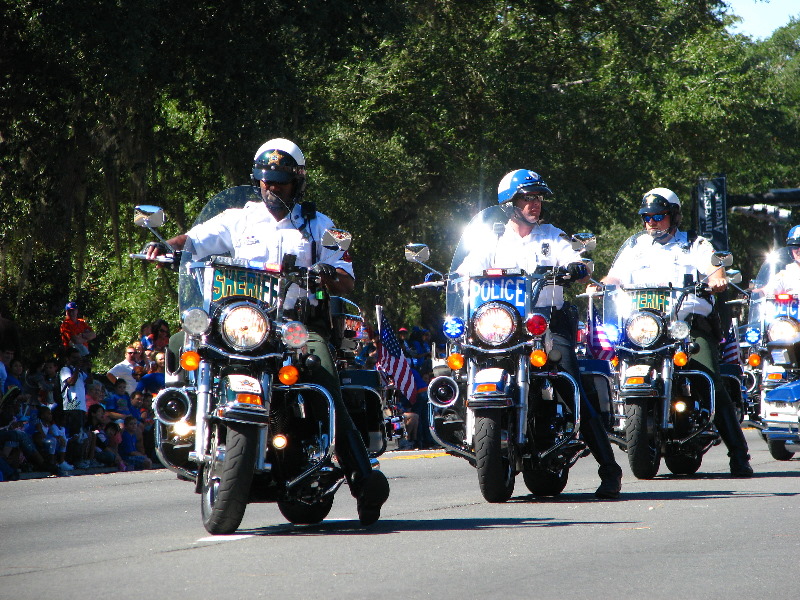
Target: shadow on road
[410,525]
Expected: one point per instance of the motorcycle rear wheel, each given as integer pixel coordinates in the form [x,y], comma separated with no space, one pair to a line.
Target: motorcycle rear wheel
[641,436]
[542,482]
[683,464]
[305,514]
[226,483]
[777,448]
[495,471]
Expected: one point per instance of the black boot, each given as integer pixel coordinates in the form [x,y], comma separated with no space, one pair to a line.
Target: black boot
[731,433]
[594,434]
[369,487]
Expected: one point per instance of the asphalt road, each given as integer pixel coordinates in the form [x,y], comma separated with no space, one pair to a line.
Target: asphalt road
[139,535]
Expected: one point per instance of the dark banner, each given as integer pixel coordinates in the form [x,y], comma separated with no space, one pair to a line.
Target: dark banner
[711,210]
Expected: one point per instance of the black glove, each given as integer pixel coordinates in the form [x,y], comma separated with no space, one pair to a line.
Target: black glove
[324,270]
[162,248]
[577,270]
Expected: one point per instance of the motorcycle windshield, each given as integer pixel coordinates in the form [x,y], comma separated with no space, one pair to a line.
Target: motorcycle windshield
[763,307]
[191,280]
[479,232]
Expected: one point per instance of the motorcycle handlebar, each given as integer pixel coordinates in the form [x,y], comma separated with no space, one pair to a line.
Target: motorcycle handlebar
[164,258]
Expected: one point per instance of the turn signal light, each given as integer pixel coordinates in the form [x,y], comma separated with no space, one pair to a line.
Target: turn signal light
[634,381]
[280,441]
[288,375]
[538,358]
[774,376]
[248,399]
[487,387]
[615,361]
[754,360]
[680,406]
[455,361]
[680,359]
[190,361]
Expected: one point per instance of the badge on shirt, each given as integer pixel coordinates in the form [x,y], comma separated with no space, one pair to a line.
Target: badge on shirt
[546,249]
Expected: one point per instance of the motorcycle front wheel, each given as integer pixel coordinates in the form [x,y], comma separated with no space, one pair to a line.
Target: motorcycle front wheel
[495,471]
[227,477]
[542,482]
[641,436]
[305,514]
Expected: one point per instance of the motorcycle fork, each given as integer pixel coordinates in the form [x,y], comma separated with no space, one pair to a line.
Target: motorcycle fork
[201,438]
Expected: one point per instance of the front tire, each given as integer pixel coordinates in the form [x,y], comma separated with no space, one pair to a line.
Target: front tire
[226,479]
[641,435]
[777,448]
[543,483]
[495,471]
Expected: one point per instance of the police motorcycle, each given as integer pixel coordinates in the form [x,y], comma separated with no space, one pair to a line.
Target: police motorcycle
[772,336]
[500,401]
[235,418]
[660,407]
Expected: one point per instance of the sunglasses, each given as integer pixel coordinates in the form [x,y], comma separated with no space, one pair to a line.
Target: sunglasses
[655,218]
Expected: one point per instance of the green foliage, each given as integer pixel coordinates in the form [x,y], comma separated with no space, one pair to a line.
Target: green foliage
[409,112]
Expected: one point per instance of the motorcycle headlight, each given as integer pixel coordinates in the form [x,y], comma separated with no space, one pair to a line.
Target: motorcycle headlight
[679,330]
[494,323]
[195,321]
[643,329]
[243,326]
[783,329]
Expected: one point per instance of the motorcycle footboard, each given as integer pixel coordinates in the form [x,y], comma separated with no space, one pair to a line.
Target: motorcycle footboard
[449,447]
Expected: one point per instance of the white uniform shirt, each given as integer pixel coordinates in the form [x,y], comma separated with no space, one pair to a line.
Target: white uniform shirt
[785,281]
[643,261]
[74,396]
[124,370]
[251,232]
[545,246]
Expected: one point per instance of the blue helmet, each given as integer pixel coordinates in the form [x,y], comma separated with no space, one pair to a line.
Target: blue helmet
[793,239]
[523,181]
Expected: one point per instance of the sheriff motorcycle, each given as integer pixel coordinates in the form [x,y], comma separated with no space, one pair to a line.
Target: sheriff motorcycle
[236,419]
[773,339]
[659,406]
[501,403]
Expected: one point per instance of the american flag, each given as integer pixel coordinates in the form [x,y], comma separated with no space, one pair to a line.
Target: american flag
[393,362]
[729,351]
[597,344]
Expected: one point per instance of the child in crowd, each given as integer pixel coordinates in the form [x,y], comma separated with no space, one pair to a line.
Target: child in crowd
[132,446]
[113,440]
[54,438]
[118,402]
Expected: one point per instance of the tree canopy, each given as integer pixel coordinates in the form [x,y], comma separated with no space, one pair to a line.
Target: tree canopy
[409,113]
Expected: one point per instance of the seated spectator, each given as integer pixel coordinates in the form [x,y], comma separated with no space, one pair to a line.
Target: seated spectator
[15,374]
[14,439]
[47,384]
[54,438]
[95,394]
[113,441]
[131,448]
[118,402]
[153,382]
[99,451]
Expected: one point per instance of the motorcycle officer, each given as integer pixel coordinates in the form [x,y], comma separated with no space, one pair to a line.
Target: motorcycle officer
[662,254]
[527,242]
[267,230]
[787,280]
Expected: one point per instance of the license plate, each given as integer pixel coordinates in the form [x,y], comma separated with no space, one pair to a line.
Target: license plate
[231,282]
[505,289]
[653,300]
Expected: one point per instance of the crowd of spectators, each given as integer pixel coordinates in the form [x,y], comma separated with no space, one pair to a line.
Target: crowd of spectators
[57,415]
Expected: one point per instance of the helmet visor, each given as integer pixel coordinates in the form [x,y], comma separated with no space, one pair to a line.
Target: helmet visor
[278,175]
